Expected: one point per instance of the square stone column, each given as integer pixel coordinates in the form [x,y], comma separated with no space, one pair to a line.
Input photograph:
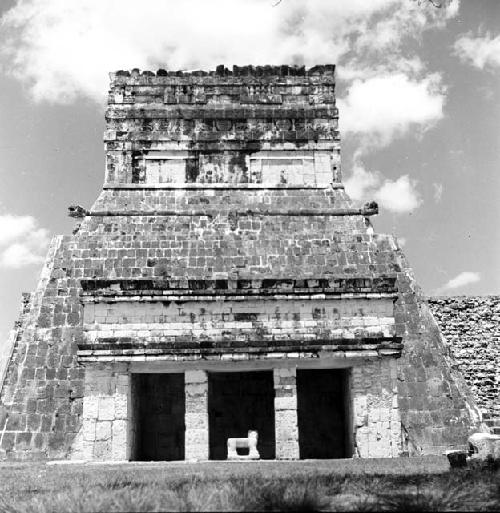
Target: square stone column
[196,418]
[285,411]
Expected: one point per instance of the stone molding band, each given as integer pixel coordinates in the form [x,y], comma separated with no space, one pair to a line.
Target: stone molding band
[88,297]
[223,186]
[153,350]
[335,212]
[346,287]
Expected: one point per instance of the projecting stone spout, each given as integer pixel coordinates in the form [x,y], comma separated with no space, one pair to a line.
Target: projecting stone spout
[77,211]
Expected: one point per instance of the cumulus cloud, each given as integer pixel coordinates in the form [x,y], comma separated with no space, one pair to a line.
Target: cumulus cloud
[461,280]
[22,241]
[13,227]
[361,183]
[479,51]
[65,49]
[104,35]
[399,196]
[384,107]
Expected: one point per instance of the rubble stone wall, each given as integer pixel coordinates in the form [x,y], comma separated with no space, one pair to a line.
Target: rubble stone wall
[471,327]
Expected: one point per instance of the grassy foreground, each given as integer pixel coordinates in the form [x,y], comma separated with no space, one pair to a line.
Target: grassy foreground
[409,484]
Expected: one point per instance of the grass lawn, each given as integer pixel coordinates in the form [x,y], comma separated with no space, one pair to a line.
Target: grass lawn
[418,484]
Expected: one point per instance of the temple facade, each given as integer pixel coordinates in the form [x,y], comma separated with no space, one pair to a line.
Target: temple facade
[223,282]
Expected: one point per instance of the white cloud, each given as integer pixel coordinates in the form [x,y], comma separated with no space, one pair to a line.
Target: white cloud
[461,280]
[105,35]
[361,182]
[19,255]
[63,49]
[13,227]
[438,191]
[399,196]
[479,51]
[384,107]
[22,242]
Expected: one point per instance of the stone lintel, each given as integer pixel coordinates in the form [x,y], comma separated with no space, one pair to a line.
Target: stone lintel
[237,344]
[227,296]
[92,356]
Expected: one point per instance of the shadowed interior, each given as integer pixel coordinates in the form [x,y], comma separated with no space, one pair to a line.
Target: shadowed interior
[160,420]
[321,410]
[238,402]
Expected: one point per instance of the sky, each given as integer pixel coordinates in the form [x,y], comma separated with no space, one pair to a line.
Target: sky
[418,93]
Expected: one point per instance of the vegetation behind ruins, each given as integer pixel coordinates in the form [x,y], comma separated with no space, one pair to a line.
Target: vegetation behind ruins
[423,484]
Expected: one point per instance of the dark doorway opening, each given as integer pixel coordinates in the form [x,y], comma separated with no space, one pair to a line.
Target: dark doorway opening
[239,402]
[322,413]
[159,417]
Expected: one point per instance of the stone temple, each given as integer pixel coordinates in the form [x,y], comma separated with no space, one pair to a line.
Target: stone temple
[223,282]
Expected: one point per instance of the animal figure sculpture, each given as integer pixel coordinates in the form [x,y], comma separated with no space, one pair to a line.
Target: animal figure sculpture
[482,445]
[249,443]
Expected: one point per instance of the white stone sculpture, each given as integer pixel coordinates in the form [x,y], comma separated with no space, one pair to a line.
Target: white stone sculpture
[249,443]
[483,445]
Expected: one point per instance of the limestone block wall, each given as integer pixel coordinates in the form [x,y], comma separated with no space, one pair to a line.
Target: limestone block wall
[107,425]
[15,335]
[471,327]
[437,408]
[275,319]
[376,421]
[41,394]
[274,126]
[108,429]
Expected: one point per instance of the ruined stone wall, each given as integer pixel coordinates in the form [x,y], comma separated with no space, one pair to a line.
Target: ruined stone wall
[265,126]
[471,327]
[223,183]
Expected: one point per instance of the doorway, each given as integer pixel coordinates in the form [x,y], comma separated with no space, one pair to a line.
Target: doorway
[322,404]
[239,402]
[159,417]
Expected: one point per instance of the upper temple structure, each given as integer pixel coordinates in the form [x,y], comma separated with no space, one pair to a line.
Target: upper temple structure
[223,282]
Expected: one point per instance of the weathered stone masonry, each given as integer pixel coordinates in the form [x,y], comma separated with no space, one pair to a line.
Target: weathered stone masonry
[471,326]
[223,249]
